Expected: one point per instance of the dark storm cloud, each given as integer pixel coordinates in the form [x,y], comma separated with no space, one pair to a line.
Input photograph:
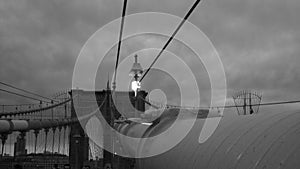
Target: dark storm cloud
[39,42]
[258,40]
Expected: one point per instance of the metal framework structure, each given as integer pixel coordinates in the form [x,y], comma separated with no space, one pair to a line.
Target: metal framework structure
[249,100]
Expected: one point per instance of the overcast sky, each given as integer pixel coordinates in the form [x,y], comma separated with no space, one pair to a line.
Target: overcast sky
[257,40]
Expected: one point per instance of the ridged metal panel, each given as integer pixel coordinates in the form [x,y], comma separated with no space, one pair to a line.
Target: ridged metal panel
[254,151]
[134,130]
[275,154]
[262,141]
[233,148]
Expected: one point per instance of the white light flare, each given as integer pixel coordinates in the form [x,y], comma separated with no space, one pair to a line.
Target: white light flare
[135,85]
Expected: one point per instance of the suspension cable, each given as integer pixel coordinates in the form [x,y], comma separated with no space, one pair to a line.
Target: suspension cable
[26,91]
[22,95]
[171,37]
[34,110]
[226,106]
[120,41]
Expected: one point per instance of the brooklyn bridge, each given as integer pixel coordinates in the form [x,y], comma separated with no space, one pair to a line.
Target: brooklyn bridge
[114,129]
[52,135]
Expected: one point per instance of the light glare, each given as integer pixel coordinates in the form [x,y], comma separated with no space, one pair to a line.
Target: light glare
[135,85]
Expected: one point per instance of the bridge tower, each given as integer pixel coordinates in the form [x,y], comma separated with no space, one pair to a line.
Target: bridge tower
[110,113]
[78,143]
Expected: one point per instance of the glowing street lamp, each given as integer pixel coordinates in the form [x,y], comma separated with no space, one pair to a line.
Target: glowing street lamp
[136,71]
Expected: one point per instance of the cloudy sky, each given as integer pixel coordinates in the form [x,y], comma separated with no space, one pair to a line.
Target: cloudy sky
[257,40]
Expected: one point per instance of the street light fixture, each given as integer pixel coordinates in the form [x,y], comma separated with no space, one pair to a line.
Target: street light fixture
[136,71]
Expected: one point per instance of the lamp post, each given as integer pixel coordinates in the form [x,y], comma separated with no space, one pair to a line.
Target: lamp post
[136,72]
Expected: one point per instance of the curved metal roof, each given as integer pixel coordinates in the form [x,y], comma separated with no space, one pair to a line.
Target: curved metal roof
[262,141]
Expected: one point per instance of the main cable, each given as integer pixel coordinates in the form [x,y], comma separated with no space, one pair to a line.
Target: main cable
[26,91]
[171,37]
[120,42]
[22,95]
[226,106]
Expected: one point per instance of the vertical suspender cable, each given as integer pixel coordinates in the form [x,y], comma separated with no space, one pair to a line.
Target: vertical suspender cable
[36,134]
[3,140]
[53,139]
[59,133]
[64,139]
[10,142]
[46,137]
